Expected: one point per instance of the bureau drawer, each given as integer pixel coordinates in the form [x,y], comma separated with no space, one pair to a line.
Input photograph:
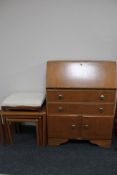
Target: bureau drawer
[64,127]
[70,108]
[81,95]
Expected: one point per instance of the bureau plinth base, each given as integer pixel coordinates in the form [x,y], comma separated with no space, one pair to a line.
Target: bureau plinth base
[100,143]
[56,142]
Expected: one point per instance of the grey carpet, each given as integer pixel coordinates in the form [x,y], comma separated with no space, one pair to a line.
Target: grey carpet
[73,158]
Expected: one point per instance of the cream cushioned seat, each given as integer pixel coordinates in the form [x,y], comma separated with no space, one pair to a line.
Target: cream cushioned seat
[30,99]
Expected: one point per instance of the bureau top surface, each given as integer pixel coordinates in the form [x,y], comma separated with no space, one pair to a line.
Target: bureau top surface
[81,74]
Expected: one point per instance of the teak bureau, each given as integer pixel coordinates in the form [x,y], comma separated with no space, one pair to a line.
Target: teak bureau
[80,101]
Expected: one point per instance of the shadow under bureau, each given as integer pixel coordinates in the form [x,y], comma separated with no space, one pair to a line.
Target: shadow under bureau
[80,101]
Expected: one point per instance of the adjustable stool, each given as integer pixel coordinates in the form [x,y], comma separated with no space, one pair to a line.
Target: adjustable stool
[25,107]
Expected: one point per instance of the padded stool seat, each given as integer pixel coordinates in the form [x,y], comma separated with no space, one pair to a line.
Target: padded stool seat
[25,107]
[24,101]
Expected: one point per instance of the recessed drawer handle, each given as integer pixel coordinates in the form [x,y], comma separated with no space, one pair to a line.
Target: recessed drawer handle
[60,109]
[102,97]
[101,109]
[86,126]
[60,97]
[73,126]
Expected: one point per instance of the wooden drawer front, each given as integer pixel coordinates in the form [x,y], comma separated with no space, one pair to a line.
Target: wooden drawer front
[97,127]
[60,109]
[64,127]
[81,95]
[69,108]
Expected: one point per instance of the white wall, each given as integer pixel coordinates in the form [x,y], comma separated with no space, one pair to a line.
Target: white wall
[34,31]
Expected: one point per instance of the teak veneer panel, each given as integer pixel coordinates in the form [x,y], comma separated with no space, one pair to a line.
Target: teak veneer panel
[63,127]
[81,74]
[86,127]
[96,127]
[80,95]
[74,108]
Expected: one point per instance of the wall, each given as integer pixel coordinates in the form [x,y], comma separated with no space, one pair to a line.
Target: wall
[34,31]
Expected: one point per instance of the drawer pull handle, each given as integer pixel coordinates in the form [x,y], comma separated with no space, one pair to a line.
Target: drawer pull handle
[102,97]
[60,97]
[101,109]
[86,126]
[73,126]
[60,109]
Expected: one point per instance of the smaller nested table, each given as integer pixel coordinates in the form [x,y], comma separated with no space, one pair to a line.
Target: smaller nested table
[25,107]
[39,118]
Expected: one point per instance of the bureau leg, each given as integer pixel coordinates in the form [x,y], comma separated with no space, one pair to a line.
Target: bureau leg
[56,142]
[102,143]
[44,132]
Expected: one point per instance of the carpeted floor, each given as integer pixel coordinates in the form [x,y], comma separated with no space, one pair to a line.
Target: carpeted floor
[73,158]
